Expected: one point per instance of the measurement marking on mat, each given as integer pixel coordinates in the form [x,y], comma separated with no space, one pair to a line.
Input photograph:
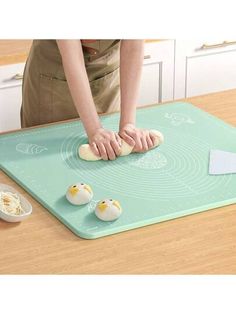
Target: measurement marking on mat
[181,182]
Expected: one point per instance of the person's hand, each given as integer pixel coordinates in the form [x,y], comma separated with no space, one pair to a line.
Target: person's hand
[105,143]
[141,139]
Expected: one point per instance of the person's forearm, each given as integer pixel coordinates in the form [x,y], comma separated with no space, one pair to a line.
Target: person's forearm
[76,75]
[131,61]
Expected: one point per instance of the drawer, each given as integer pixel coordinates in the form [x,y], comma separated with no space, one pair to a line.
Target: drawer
[11,75]
[154,51]
[150,52]
[199,48]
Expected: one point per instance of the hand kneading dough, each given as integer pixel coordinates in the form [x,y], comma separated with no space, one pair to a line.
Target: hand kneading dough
[86,153]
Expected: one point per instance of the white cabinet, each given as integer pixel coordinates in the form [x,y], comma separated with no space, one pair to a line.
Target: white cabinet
[10,96]
[157,82]
[204,68]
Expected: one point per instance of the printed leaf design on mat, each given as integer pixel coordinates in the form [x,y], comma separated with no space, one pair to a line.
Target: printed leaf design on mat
[178,118]
[151,160]
[30,149]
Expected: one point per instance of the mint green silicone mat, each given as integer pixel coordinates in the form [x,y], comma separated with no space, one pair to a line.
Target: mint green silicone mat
[167,182]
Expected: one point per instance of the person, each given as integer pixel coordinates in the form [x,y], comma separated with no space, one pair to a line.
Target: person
[66,79]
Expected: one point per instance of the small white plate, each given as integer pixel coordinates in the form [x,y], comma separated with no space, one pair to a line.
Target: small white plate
[24,203]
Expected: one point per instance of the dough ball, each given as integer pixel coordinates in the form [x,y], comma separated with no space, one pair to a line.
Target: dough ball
[126,149]
[86,153]
[108,210]
[159,138]
[79,194]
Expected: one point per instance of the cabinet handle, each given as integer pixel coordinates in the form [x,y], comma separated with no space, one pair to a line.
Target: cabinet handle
[225,43]
[17,76]
[147,57]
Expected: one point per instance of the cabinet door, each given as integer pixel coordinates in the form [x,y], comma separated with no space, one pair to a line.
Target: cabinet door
[10,103]
[10,96]
[157,82]
[202,69]
[211,73]
[150,91]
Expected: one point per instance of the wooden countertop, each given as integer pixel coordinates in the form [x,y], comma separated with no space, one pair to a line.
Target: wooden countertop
[16,51]
[203,243]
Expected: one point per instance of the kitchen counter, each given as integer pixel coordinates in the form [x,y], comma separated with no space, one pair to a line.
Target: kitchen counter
[16,51]
[203,243]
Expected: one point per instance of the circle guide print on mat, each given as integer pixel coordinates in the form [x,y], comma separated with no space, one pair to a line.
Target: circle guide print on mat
[176,169]
[165,183]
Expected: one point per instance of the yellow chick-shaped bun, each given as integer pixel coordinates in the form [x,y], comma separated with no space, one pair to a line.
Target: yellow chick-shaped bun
[108,210]
[79,194]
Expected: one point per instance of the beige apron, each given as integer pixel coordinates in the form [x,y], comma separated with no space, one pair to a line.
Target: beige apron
[45,93]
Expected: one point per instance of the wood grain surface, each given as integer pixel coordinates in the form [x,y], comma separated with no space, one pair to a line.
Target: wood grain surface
[14,51]
[203,243]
